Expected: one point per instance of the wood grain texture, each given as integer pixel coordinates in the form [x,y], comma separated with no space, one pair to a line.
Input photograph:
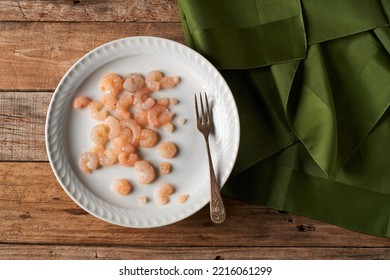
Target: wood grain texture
[35,55]
[61,252]
[22,125]
[35,210]
[89,10]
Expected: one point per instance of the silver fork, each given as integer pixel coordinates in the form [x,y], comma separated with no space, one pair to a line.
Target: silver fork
[205,125]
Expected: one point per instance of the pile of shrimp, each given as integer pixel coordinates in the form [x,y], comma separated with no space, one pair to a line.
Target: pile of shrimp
[129,118]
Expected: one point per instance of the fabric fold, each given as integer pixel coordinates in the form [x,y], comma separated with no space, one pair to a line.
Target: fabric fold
[233,41]
[311,83]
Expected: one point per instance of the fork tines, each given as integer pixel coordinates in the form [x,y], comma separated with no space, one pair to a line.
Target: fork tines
[204,118]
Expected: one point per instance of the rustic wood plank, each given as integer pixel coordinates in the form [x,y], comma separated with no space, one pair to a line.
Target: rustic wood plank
[22,125]
[35,210]
[54,252]
[31,64]
[89,10]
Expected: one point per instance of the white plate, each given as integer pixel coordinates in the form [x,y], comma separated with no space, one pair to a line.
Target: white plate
[67,132]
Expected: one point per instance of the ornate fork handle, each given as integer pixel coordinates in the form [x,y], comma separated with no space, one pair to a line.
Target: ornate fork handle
[217,209]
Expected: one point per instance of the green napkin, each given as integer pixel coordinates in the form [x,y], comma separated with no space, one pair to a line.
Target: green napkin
[311,80]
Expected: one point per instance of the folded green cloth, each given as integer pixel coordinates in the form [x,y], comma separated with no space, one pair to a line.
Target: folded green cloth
[311,80]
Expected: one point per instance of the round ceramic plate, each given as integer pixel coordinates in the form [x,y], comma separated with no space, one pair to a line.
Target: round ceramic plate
[67,132]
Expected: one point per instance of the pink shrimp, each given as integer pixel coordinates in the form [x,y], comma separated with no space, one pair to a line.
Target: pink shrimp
[148,138]
[97,111]
[149,102]
[88,162]
[111,82]
[143,199]
[109,100]
[167,149]
[127,159]
[143,91]
[163,192]
[169,82]
[135,129]
[153,115]
[169,127]
[99,134]
[155,75]
[134,82]
[165,168]
[108,157]
[123,139]
[183,198]
[145,172]
[173,101]
[126,99]
[113,126]
[152,80]
[81,102]
[122,187]
[152,85]
[163,102]
[165,117]
[141,117]
[139,101]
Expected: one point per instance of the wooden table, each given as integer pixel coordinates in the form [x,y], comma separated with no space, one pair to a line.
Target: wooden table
[39,41]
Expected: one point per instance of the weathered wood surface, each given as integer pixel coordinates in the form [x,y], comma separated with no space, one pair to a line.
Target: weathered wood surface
[61,252]
[35,210]
[89,10]
[39,41]
[34,56]
[22,125]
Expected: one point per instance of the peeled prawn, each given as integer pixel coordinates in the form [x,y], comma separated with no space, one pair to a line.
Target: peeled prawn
[152,85]
[127,159]
[123,139]
[165,117]
[148,138]
[134,82]
[145,172]
[163,102]
[108,157]
[169,127]
[169,82]
[99,134]
[167,150]
[163,192]
[122,107]
[88,162]
[139,101]
[113,125]
[143,91]
[81,102]
[108,99]
[111,82]
[135,129]
[152,80]
[97,111]
[141,117]
[153,115]
[154,75]
[165,168]
[122,187]
[183,198]
[149,102]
